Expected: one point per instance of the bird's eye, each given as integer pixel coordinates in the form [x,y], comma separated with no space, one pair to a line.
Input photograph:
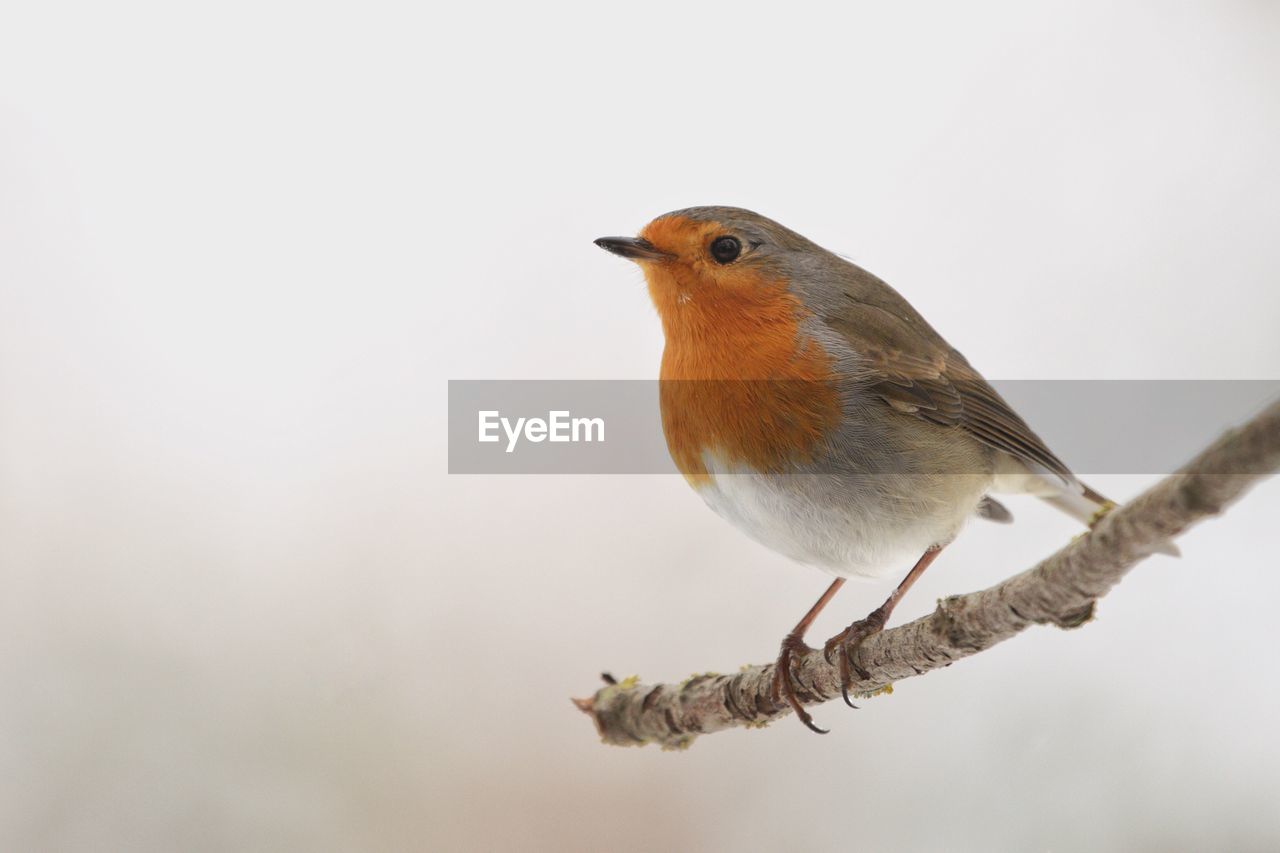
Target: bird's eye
[725,249]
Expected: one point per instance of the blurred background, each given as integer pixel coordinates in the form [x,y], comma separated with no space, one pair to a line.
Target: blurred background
[243,247]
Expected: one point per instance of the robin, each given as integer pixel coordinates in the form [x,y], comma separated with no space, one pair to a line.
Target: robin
[810,405]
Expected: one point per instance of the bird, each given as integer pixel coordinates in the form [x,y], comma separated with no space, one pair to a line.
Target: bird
[809,404]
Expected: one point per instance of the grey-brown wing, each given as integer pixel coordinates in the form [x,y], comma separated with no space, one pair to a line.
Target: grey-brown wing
[914,371]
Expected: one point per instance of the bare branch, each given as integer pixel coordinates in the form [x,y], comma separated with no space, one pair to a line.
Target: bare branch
[1060,591]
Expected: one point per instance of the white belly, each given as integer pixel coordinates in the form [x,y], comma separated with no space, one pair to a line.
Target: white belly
[867,526]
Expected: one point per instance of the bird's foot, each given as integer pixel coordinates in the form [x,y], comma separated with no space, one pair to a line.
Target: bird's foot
[784,685]
[846,643]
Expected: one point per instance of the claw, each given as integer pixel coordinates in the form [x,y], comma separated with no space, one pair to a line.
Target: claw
[783,689]
[848,641]
[845,681]
[808,720]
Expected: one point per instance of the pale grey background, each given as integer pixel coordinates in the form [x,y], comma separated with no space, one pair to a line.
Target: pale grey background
[243,247]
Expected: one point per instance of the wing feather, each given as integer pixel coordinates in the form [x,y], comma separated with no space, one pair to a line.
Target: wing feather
[918,374]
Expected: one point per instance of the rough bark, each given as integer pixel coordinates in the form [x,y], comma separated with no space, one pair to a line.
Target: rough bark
[1060,590]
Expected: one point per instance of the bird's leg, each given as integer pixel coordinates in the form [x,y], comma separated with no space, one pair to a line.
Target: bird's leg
[793,644]
[848,640]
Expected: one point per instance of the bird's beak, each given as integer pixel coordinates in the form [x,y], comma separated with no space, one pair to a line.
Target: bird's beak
[634,248]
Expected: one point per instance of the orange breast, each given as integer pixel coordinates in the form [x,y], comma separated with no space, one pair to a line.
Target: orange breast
[738,378]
